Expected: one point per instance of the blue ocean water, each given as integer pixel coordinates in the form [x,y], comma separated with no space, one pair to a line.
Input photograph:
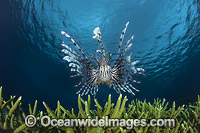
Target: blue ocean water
[167,43]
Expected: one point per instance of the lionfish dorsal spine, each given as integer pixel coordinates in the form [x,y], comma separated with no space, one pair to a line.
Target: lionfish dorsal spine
[98,36]
[94,58]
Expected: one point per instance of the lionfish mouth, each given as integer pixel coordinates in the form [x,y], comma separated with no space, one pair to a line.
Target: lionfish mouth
[118,76]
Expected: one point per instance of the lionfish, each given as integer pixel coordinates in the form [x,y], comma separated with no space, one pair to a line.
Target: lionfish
[118,76]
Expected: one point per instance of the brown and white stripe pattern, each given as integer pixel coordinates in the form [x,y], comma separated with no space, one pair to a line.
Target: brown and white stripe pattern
[118,76]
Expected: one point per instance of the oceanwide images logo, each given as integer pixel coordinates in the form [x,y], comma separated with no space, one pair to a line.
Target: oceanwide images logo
[46,121]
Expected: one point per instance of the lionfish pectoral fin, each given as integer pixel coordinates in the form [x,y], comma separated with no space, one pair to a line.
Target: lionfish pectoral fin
[140,69]
[75,43]
[122,37]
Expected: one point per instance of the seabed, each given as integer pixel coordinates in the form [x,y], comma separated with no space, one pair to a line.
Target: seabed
[187,117]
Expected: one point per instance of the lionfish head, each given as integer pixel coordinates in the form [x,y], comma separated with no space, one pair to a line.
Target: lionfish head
[104,72]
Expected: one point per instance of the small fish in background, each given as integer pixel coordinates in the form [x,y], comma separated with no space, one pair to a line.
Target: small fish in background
[117,76]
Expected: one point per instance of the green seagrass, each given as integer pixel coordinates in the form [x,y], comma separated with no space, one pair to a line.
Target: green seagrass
[187,118]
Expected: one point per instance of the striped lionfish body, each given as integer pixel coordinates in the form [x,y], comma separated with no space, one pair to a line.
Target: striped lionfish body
[118,76]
